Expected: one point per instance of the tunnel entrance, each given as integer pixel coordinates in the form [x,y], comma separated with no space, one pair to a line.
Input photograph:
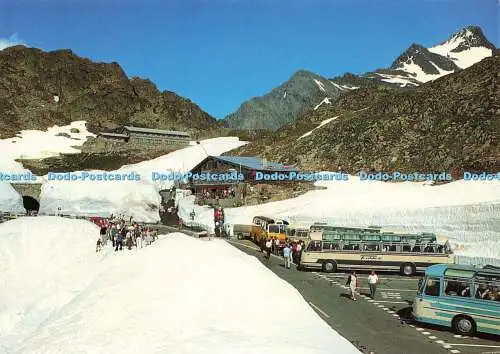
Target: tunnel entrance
[30,204]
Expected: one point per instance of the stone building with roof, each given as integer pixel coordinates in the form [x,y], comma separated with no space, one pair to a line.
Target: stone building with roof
[128,137]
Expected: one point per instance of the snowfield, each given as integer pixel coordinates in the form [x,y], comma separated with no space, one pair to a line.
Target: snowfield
[464,58]
[139,199]
[36,144]
[179,295]
[465,212]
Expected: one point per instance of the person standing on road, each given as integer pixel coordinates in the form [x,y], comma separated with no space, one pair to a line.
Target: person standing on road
[269,245]
[372,283]
[277,246]
[287,256]
[352,281]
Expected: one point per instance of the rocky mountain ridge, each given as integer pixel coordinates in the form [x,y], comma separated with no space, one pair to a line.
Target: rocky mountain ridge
[40,89]
[450,124]
[284,103]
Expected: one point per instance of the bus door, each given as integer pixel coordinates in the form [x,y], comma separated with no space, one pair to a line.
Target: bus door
[424,306]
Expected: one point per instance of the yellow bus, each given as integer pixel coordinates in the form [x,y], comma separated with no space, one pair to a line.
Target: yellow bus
[273,228]
[369,248]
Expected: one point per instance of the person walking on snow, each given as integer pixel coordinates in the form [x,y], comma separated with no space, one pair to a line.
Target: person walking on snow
[287,256]
[372,283]
[138,239]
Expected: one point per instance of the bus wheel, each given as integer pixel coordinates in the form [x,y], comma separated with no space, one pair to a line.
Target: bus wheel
[329,266]
[464,325]
[407,269]
[240,236]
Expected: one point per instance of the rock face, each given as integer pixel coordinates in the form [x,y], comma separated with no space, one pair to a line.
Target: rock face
[39,89]
[283,104]
[451,124]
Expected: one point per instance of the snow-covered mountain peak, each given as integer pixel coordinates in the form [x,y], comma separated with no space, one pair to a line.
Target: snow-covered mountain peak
[418,64]
[465,47]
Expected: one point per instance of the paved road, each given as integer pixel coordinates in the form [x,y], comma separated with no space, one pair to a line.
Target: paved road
[375,326]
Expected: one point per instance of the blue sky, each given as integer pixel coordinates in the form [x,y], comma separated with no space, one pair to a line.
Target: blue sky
[219,53]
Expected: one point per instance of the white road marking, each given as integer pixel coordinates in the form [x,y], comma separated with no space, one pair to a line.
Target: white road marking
[447,346]
[454,351]
[319,310]
[426,333]
[473,345]
[390,302]
[432,337]
[440,341]
[395,315]
[420,329]
[391,278]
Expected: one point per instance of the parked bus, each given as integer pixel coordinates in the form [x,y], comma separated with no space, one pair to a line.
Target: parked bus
[273,228]
[297,232]
[333,247]
[464,298]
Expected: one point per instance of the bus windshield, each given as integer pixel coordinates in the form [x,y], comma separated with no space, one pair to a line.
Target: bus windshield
[275,229]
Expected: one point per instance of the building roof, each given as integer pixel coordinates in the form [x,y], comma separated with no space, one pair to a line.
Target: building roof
[155,131]
[114,135]
[255,163]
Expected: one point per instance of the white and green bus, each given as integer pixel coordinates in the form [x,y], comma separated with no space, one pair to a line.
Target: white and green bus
[464,298]
[334,247]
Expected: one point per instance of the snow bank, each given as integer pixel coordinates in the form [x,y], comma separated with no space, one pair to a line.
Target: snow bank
[155,299]
[10,200]
[182,160]
[466,212]
[139,199]
[45,263]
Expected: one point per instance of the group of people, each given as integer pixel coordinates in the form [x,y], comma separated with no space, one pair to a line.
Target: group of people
[122,234]
[219,193]
[290,250]
[353,284]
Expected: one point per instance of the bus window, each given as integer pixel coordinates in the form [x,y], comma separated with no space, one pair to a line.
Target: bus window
[432,287]
[370,247]
[314,246]
[454,287]
[275,229]
[429,249]
[326,245]
[487,291]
